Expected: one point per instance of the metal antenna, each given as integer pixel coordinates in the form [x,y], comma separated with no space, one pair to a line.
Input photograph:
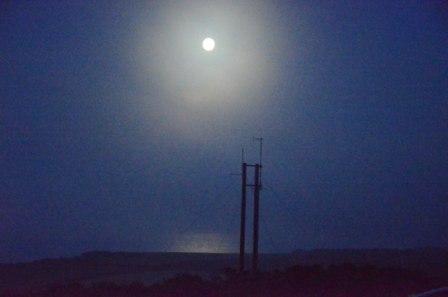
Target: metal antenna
[260,156]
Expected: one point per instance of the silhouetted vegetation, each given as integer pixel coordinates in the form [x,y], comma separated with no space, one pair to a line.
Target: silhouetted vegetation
[334,280]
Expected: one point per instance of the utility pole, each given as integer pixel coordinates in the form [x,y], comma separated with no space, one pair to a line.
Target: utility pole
[256,218]
[243,214]
[257,188]
[260,156]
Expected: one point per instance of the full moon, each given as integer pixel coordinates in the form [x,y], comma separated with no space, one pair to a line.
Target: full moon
[208,44]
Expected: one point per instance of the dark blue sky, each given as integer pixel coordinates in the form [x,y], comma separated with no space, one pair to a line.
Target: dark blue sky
[118,132]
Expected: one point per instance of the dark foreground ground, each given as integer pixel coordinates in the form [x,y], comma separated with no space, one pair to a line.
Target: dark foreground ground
[371,272]
[335,280]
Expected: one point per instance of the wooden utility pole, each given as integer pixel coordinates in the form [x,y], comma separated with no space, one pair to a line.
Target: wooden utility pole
[256,218]
[257,188]
[243,215]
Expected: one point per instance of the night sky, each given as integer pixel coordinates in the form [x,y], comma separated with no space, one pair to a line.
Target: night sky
[119,132]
